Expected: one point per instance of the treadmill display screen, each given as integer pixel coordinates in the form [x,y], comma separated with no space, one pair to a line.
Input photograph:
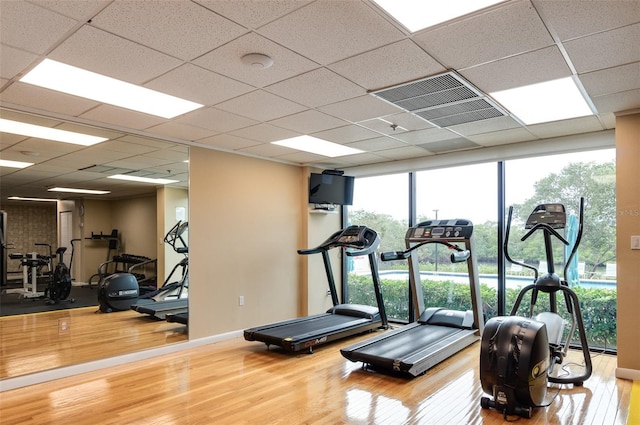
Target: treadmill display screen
[437,231]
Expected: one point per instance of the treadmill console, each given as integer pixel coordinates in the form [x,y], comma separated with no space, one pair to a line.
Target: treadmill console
[441,229]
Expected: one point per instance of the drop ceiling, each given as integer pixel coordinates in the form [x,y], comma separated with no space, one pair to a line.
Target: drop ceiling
[330,57]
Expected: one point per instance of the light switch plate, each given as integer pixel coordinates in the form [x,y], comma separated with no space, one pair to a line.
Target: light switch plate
[635,242]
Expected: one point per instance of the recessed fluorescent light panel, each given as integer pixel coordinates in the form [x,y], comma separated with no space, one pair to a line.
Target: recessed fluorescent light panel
[48,133]
[419,14]
[79,82]
[317,146]
[545,102]
[141,179]
[14,164]
[20,198]
[73,190]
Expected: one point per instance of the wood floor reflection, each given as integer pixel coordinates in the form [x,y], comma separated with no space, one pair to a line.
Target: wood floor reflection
[239,382]
[42,341]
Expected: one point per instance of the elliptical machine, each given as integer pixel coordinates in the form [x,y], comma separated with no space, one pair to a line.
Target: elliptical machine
[519,355]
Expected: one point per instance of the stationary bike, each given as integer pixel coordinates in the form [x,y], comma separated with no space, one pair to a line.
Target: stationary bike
[519,355]
[59,285]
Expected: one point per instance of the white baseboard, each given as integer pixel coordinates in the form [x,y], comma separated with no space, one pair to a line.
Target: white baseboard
[66,371]
[631,374]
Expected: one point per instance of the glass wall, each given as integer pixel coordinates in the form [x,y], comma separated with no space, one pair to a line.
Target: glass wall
[381,203]
[565,179]
[471,192]
[467,192]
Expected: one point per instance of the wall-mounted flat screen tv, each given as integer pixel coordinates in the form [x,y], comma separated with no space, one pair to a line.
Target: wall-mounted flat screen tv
[330,189]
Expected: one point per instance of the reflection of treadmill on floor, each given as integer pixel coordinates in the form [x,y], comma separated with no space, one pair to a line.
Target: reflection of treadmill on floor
[342,320]
[171,298]
[439,333]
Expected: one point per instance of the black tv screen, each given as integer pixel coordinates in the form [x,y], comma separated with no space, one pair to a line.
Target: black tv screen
[330,189]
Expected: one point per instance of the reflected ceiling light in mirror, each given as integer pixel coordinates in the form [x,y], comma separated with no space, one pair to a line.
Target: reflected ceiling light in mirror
[141,179]
[417,15]
[317,146]
[21,198]
[79,82]
[14,164]
[74,190]
[544,102]
[48,133]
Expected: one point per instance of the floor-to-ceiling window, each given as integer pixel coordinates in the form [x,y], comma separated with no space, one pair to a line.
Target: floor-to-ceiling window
[471,192]
[381,203]
[565,179]
[466,192]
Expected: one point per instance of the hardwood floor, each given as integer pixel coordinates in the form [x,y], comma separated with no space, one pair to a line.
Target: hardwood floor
[240,382]
[42,341]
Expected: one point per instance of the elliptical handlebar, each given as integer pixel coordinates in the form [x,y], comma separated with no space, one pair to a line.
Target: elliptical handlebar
[174,235]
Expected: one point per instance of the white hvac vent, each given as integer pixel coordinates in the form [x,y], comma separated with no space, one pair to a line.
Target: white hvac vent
[443,100]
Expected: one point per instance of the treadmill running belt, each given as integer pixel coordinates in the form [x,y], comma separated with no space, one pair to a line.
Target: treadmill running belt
[405,343]
[313,326]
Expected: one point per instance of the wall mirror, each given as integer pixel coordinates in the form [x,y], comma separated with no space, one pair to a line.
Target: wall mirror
[131,218]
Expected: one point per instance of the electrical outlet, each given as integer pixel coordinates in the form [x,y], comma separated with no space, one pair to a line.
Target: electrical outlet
[635,242]
[241,300]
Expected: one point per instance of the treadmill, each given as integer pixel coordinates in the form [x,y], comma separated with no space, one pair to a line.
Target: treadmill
[438,333]
[340,321]
[171,297]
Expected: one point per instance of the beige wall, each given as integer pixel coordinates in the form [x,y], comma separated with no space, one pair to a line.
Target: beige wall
[245,225]
[135,220]
[628,224]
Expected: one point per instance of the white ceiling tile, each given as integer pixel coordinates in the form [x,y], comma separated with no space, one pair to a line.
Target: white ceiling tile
[332,30]
[485,126]
[198,85]
[594,52]
[169,26]
[260,105]
[500,32]
[316,88]
[122,117]
[503,137]
[46,100]
[32,28]
[360,108]
[624,101]
[426,136]
[577,18]
[566,127]
[612,80]
[14,61]
[252,13]
[227,141]
[266,149]
[181,131]
[99,51]
[215,119]
[451,145]
[361,158]
[303,157]
[346,134]
[406,152]
[377,144]
[227,60]
[381,125]
[264,133]
[81,10]
[309,121]
[125,147]
[520,70]
[388,66]
[408,121]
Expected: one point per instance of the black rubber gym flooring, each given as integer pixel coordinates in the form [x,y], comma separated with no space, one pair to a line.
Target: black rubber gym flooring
[13,304]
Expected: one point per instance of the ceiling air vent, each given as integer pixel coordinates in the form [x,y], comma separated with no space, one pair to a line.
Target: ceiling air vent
[443,100]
